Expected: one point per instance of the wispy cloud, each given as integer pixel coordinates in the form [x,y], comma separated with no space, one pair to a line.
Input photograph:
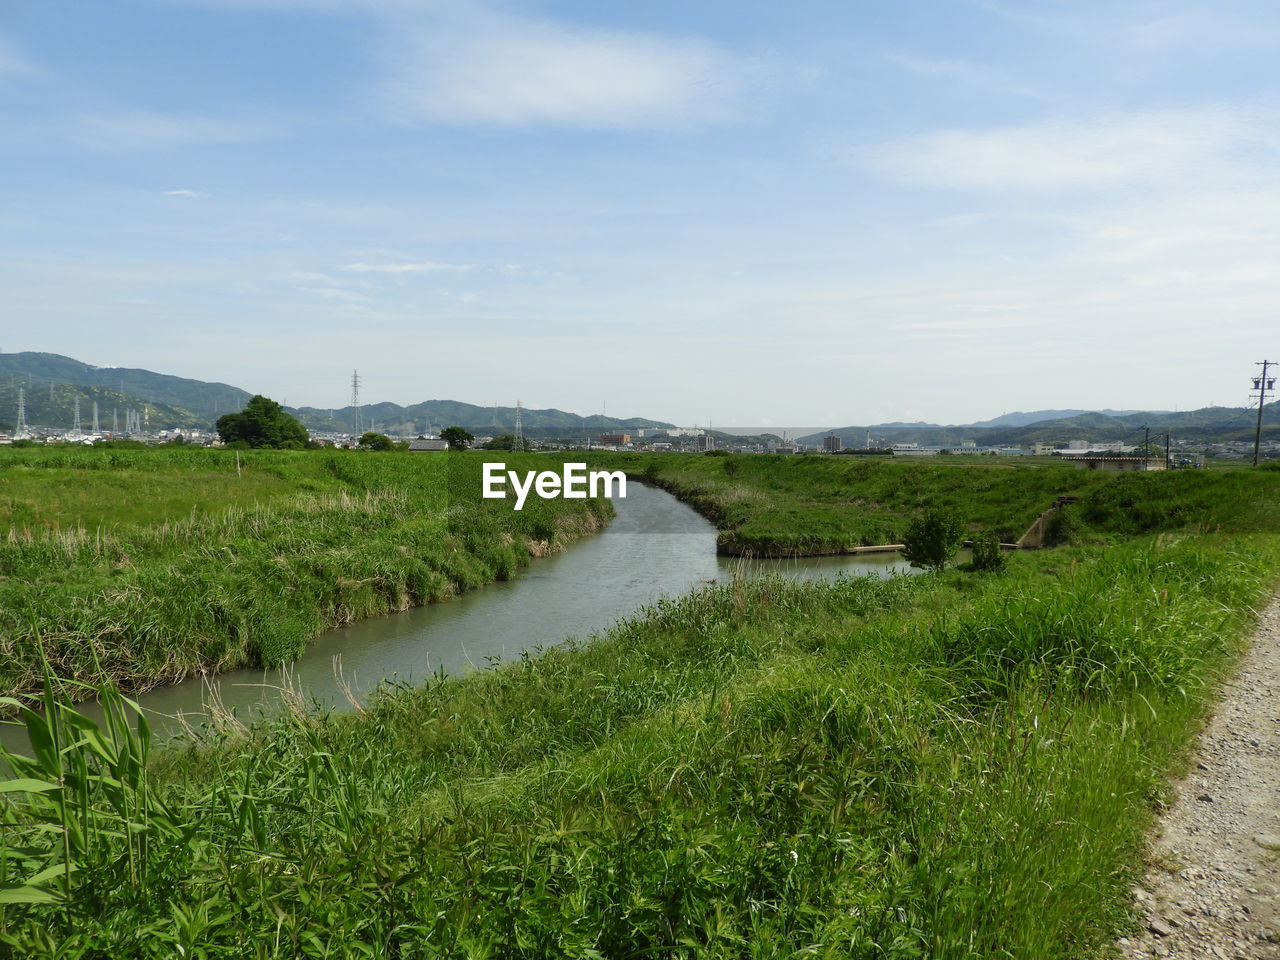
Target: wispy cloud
[962,71]
[422,266]
[1109,151]
[184,194]
[11,61]
[140,129]
[483,67]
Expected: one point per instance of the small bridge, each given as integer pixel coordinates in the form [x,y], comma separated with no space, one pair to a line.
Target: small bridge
[1036,533]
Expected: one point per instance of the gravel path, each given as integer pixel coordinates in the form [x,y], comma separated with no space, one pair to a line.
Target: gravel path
[1213,889]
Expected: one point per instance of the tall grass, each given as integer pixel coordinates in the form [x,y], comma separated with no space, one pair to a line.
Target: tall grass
[345,537]
[767,505]
[948,766]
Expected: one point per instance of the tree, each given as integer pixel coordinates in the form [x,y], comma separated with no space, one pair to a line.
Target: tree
[375,441]
[262,423]
[456,437]
[933,539]
[506,442]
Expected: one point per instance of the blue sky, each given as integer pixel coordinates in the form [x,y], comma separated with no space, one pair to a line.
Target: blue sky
[812,212]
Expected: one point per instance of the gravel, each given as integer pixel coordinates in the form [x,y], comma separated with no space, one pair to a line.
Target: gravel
[1213,890]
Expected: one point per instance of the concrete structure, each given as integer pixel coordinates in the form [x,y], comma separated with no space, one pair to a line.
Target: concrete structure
[704,443]
[616,439]
[832,444]
[1118,464]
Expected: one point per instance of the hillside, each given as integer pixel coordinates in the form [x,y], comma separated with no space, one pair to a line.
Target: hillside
[1207,423]
[431,415]
[205,400]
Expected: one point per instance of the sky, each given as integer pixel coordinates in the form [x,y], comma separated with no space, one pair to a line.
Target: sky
[725,211]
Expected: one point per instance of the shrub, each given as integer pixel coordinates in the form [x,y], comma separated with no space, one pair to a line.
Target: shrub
[933,539]
[987,554]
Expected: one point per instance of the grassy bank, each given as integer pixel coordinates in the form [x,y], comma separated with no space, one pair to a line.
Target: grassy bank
[945,766]
[769,505]
[147,566]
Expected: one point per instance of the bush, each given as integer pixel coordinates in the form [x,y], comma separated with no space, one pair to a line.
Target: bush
[987,554]
[933,539]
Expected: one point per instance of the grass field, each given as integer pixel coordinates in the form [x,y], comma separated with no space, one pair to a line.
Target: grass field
[147,566]
[956,765]
[770,505]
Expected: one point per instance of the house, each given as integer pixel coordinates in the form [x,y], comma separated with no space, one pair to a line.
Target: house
[428,443]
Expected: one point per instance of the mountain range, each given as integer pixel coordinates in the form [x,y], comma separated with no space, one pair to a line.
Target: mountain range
[52,383]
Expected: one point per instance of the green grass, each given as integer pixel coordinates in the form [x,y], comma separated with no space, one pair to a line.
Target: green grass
[953,765]
[926,767]
[246,566]
[768,505]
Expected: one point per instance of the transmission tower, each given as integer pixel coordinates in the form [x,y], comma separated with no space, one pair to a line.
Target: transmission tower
[1260,386]
[517,442]
[355,404]
[76,428]
[21,430]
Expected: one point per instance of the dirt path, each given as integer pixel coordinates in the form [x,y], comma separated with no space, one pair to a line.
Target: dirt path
[1213,890]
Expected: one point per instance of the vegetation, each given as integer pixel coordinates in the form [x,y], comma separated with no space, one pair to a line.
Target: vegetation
[150,565]
[780,506]
[262,423]
[375,441]
[932,540]
[987,553]
[456,437]
[934,767]
[945,766]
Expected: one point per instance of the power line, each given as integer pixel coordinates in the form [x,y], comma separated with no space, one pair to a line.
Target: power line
[1261,385]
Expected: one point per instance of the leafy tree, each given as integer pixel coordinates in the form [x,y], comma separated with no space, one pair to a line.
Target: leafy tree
[456,437]
[262,423]
[375,441]
[933,539]
[506,442]
[987,554]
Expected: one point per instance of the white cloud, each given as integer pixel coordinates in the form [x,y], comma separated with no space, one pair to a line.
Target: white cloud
[489,68]
[1152,148]
[184,194]
[143,129]
[423,266]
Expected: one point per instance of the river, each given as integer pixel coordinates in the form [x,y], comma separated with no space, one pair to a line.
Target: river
[655,546]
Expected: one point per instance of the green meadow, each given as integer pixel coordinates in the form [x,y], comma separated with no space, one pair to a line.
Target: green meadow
[147,566]
[778,505]
[952,765]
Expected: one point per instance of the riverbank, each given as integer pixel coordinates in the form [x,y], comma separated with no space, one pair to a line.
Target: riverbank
[233,559]
[952,766]
[781,506]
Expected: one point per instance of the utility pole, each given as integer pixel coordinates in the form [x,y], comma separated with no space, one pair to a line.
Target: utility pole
[1261,385]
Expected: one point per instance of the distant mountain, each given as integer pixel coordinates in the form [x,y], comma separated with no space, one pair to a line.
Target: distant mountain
[52,382]
[1208,423]
[201,399]
[1020,419]
[431,415]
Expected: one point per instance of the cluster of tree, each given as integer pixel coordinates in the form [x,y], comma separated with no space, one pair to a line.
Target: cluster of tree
[262,423]
[508,442]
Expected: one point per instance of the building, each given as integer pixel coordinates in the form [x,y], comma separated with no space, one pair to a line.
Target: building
[428,443]
[615,439]
[832,444]
[704,443]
